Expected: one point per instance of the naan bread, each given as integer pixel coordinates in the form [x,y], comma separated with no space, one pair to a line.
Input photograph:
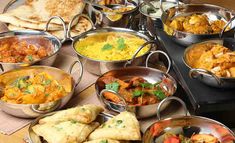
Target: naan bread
[102,141]
[83,114]
[38,11]
[65,132]
[82,26]
[124,126]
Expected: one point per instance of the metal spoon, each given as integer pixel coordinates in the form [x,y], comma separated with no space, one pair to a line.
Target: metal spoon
[97,5]
[151,5]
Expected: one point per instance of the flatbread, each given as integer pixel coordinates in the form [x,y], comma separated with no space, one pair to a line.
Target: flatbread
[37,11]
[82,26]
[124,126]
[7,18]
[65,132]
[102,141]
[83,114]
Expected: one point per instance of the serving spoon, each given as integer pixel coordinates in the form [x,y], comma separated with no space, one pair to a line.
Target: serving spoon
[151,5]
[97,5]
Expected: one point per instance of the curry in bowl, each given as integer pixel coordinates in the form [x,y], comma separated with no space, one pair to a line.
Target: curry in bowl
[32,86]
[116,14]
[213,57]
[110,46]
[136,91]
[24,49]
[196,24]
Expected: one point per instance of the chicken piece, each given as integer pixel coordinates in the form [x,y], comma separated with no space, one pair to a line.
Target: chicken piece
[204,138]
[232,71]
[177,23]
[136,81]
[218,25]
[112,97]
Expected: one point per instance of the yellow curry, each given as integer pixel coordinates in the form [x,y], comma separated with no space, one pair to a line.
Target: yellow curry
[213,57]
[110,46]
[115,14]
[40,88]
[197,24]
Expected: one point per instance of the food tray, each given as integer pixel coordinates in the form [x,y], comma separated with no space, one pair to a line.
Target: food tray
[204,100]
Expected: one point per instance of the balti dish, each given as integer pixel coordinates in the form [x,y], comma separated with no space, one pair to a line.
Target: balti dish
[136,91]
[25,50]
[196,24]
[110,46]
[212,57]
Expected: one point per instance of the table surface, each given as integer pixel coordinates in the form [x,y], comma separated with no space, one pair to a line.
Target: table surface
[18,136]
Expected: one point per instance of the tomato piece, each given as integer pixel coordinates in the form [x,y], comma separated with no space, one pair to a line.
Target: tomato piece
[172,139]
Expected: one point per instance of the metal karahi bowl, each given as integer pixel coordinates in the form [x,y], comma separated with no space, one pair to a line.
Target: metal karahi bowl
[213,12]
[34,138]
[99,67]
[41,38]
[35,110]
[187,126]
[104,19]
[206,76]
[149,74]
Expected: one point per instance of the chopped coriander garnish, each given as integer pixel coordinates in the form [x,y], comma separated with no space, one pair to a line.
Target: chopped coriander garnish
[146,85]
[46,82]
[121,43]
[112,86]
[73,121]
[107,47]
[30,58]
[119,121]
[159,93]
[47,94]
[104,141]
[137,93]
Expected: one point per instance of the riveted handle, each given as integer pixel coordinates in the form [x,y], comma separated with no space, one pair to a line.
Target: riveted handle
[62,22]
[169,99]
[72,21]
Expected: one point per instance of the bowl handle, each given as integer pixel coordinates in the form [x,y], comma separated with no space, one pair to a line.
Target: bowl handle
[48,107]
[72,21]
[161,5]
[225,27]
[129,62]
[160,52]
[80,71]
[195,73]
[9,4]
[62,22]
[104,101]
[168,99]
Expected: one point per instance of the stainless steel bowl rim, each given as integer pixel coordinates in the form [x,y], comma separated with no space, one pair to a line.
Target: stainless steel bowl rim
[191,46]
[33,31]
[208,5]
[109,29]
[48,67]
[193,116]
[113,13]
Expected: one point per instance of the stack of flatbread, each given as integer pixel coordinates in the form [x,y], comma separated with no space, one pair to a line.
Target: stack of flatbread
[77,125]
[34,14]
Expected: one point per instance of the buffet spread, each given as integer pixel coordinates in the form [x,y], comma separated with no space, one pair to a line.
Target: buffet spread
[143,54]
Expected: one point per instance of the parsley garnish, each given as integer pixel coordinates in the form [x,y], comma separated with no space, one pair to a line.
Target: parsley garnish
[112,86]
[46,82]
[119,121]
[107,47]
[146,85]
[121,44]
[159,93]
[104,141]
[73,121]
[47,94]
[137,93]
[30,58]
